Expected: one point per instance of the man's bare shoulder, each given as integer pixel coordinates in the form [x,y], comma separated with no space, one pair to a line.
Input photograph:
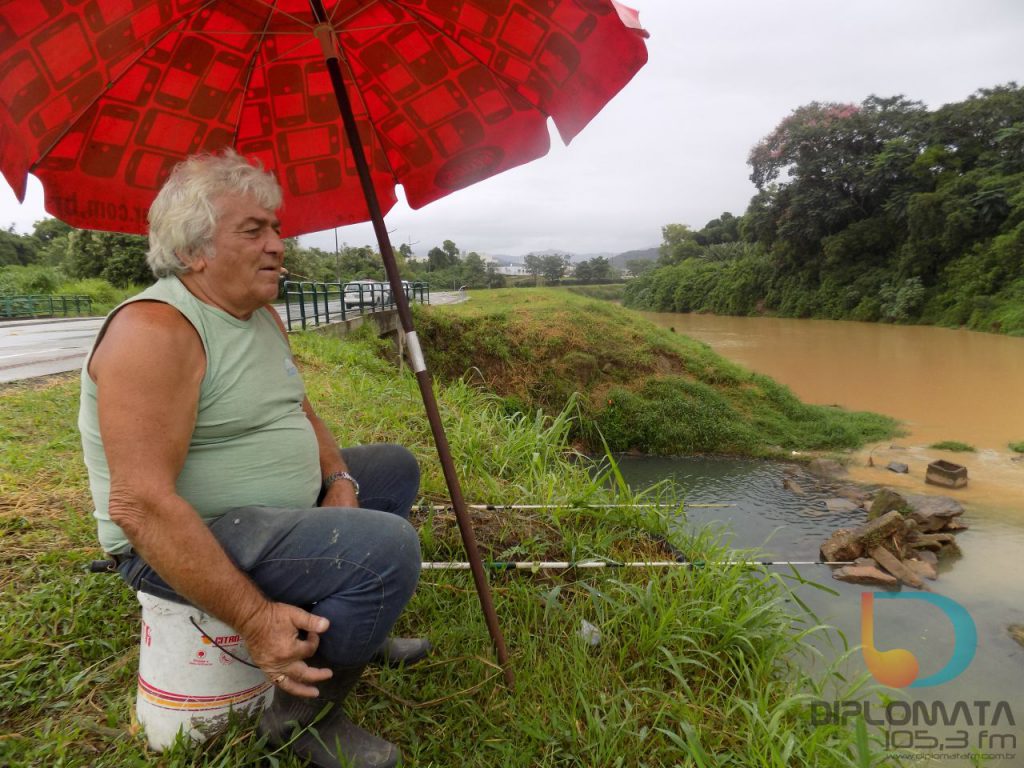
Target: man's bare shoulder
[146,332]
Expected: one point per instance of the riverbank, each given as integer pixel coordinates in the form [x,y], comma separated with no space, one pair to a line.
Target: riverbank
[643,388]
[941,384]
[695,667]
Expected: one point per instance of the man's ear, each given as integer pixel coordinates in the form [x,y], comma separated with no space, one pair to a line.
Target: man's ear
[195,261]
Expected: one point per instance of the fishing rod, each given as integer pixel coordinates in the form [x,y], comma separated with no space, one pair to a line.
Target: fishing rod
[494,507]
[542,565]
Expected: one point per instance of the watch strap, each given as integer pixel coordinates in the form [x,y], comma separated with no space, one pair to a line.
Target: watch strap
[334,477]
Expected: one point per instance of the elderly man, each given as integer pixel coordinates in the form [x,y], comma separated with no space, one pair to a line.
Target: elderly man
[216,483]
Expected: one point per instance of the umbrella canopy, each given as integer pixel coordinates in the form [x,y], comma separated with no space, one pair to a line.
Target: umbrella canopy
[102,98]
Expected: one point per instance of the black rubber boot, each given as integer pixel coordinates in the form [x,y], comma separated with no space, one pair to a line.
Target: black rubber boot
[330,740]
[398,651]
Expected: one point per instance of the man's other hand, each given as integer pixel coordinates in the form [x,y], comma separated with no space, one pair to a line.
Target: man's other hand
[279,638]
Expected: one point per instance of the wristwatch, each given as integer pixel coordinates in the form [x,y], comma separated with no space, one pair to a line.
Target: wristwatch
[334,477]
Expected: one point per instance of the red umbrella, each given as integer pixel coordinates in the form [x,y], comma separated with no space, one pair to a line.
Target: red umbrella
[341,100]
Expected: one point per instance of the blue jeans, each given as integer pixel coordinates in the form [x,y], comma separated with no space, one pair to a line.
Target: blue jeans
[356,567]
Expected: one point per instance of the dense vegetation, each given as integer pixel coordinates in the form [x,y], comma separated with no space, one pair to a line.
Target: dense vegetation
[703,667]
[643,388]
[108,267]
[880,211]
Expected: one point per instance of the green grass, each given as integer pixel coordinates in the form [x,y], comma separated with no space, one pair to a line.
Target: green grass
[696,667]
[1017,447]
[952,445]
[640,387]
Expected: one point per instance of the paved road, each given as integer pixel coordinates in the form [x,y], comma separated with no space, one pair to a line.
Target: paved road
[31,348]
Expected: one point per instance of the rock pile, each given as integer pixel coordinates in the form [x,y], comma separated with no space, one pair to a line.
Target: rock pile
[902,541]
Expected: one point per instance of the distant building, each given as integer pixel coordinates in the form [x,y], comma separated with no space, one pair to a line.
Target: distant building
[512,270]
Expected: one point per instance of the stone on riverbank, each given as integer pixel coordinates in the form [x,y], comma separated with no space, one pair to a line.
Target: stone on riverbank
[886,500]
[864,574]
[932,513]
[927,556]
[921,568]
[851,543]
[943,544]
[893,565]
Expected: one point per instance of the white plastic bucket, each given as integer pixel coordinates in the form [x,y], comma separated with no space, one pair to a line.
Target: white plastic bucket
[186,682]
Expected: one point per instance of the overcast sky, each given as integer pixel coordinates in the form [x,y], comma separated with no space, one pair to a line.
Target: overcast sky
[672,146]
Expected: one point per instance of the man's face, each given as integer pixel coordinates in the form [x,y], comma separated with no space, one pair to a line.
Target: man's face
[242,273]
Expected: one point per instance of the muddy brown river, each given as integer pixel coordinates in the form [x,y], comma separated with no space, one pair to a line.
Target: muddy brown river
[944,385]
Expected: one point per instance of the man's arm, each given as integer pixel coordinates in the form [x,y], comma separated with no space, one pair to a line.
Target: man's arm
[342,493]
[148,370]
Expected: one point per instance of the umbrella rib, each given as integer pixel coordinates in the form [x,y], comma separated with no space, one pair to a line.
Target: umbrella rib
[248,73]
[343,59]
[171,26]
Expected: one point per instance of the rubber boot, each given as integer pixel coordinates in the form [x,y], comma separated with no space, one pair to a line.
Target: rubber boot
[330,740]
[399,651]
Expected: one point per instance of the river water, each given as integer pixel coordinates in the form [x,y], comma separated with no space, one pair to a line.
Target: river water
[944,385]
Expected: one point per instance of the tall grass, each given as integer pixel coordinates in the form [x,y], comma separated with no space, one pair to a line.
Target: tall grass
[695,667]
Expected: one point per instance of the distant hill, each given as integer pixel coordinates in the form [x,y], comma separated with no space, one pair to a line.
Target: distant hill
[617,260]
[647,254]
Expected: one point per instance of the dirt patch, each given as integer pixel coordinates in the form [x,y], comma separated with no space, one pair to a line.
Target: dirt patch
[509,534]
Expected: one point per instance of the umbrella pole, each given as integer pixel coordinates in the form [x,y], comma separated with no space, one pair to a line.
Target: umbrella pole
[325,34]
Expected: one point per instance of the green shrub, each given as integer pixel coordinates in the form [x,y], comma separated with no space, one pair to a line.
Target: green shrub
[33,279]
[952,445]
[104,296]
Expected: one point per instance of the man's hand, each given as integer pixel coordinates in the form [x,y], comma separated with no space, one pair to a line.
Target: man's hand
[276,647]
[341,494]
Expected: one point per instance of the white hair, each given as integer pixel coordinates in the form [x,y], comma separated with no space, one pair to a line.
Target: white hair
[184,214]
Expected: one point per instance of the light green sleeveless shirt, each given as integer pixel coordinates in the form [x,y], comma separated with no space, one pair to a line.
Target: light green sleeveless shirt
[252,443]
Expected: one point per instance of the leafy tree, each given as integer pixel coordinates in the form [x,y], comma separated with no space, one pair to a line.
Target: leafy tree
[474,271]
[597,268]
[679,243]
[451,250]
[638,267]
[444,257]
[16,249]
[534,264]
[828,152]
[554,266]
[47,230]
[724,229]
[494,278]
[117,258]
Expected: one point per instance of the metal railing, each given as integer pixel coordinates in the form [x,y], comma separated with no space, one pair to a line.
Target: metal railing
[310,303]
[44,306]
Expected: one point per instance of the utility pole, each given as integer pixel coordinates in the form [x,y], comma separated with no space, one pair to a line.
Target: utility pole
[337,253]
